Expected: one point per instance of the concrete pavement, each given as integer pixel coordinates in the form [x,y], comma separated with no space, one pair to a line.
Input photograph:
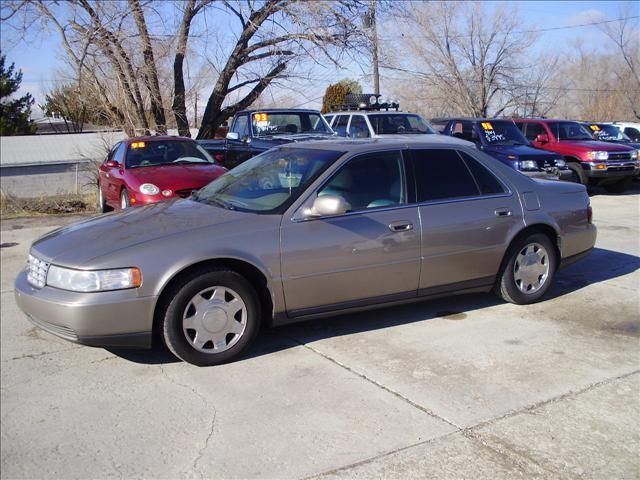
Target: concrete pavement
[465,387]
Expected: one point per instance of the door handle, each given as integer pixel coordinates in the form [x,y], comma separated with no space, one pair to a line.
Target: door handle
[401,226]
[502,212]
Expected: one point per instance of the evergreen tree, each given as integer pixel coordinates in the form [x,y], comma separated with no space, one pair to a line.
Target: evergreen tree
[14,112]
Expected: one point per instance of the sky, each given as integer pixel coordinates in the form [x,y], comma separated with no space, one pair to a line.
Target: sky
[39,56]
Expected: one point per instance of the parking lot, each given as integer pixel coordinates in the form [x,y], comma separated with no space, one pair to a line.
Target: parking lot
[464,387]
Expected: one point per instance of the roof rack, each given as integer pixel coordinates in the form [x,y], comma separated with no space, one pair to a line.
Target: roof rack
[365,101]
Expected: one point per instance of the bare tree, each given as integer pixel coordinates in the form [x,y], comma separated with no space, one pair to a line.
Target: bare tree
[275,34]
[625,35]
[473,58]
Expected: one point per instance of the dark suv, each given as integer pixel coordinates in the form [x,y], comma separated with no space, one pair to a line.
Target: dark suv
[591,162]
[501,139]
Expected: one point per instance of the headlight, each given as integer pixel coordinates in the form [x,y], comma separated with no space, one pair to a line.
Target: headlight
[598,155]
[528,165]
[634,155]
[149,189]
[560,163]
[93,281]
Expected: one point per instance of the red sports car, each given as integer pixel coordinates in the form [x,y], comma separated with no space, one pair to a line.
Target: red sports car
[144,170]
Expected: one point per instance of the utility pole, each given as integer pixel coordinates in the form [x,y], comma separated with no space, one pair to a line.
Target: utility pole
[374,47]
[195,110]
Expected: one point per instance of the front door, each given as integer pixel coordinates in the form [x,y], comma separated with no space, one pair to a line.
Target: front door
[369,255]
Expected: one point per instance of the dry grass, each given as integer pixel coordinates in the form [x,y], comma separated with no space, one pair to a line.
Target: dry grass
[14,207]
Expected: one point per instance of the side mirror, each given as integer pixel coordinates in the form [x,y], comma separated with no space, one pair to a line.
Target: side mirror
[233,136]
[112,164]
[542,138]
[327,206]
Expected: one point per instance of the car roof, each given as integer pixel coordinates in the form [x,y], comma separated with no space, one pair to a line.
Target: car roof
[278,110]
[544,120]
[374,144]
[150,138]
[471,119]
[369,112]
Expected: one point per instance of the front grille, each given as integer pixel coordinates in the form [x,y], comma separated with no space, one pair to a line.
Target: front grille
[619,156]
[37,271]
[185,192]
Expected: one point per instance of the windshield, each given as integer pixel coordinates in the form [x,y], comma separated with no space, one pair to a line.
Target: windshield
[569,131]
[288,123]
[608,133]
[502,133]
[269,181]
[398,123]
[151,153]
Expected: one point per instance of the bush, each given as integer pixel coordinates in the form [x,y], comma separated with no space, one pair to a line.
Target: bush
[11,206]
[334,94]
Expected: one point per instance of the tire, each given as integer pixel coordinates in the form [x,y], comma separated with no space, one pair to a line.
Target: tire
[207,301]
[124,199]
[618,186]
[512,284]
[102,202]
[578,175]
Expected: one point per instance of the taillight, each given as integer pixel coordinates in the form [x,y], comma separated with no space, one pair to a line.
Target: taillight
[589,214]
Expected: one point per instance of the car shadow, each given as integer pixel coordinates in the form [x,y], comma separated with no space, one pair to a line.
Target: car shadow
[595,190]
[600,266]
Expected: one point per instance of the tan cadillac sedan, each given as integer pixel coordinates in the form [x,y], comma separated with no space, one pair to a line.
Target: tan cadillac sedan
[301,231]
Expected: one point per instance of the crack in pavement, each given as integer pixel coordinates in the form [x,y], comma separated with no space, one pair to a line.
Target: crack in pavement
[515,458]
[36,355]
[207,406]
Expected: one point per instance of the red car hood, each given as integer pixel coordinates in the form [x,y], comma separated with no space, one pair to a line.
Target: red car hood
[178,176]
[595,145]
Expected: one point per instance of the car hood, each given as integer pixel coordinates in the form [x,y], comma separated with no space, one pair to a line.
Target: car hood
[519,150]
[296,137]
[595,145]
[76,244]
[178,176]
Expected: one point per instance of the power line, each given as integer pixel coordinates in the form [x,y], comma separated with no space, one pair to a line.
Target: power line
[537,30]
[518,85]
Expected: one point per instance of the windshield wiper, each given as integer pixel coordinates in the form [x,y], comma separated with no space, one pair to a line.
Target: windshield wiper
[221,203]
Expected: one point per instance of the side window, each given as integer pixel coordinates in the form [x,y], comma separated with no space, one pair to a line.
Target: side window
[340,125]
[370,181]
[118,155]
[358,127]
[111,153]
[465,131]
[533,130]
[329,119]
[241,126]
[632,133]
[487,182]
[442,174]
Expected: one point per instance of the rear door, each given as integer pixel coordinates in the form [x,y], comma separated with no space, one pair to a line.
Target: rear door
[468,217]
[369,255]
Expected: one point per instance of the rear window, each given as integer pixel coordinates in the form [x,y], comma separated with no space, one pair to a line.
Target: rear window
[149,153]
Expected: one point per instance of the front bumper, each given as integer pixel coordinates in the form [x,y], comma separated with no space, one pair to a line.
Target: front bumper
[103,319]
[612,170]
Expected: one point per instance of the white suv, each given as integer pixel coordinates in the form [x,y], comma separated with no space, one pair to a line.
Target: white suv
[630,129]
[377,123]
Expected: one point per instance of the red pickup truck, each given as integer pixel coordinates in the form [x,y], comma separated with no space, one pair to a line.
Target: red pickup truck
[591,162]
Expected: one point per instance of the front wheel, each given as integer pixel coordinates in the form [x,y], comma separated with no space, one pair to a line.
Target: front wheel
[528,270]
[211,317]
[577,173]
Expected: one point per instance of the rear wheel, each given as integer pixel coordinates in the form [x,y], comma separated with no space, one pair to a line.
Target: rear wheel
[528,271]
[212,316]
[124,199]
[618,186]
[577,173]
[102,203]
